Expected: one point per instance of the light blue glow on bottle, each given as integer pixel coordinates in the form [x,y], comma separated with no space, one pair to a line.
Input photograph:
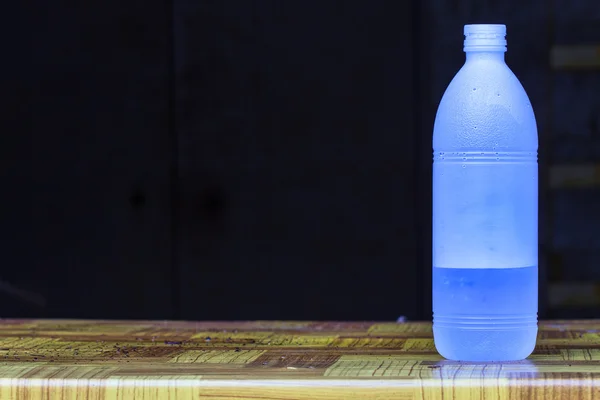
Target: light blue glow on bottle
[485,209]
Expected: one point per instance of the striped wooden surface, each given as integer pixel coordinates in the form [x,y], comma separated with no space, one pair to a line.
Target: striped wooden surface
[281,360]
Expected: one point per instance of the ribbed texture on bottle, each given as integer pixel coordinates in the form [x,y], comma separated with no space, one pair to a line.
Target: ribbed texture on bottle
[486,322]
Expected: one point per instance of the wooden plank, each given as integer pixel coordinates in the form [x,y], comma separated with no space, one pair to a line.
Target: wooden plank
[574,176]
[574,294]
[582,57]
[280,360]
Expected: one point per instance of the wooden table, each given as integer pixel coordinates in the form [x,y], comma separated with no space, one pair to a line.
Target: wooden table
[281,360]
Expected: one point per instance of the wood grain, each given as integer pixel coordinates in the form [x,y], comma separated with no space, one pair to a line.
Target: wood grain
[281,360]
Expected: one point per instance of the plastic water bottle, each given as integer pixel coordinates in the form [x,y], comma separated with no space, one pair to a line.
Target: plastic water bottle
[485,209]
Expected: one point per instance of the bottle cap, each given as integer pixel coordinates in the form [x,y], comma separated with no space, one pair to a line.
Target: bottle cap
[485,37]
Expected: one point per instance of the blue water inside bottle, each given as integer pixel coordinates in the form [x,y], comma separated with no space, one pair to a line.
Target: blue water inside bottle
[485,314]
[485,205]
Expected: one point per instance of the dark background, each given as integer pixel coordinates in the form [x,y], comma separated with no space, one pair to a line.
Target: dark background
[241,159]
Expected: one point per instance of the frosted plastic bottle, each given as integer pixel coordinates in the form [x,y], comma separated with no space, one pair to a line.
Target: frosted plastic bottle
[485,209]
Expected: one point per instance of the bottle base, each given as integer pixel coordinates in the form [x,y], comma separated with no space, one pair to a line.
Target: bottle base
[484,345]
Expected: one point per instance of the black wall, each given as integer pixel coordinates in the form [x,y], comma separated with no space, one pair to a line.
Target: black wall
[232,159]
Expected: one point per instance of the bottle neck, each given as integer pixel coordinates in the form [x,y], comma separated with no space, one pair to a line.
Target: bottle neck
[485,55]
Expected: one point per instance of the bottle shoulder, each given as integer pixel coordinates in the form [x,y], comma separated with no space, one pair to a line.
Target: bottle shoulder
[485,104]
